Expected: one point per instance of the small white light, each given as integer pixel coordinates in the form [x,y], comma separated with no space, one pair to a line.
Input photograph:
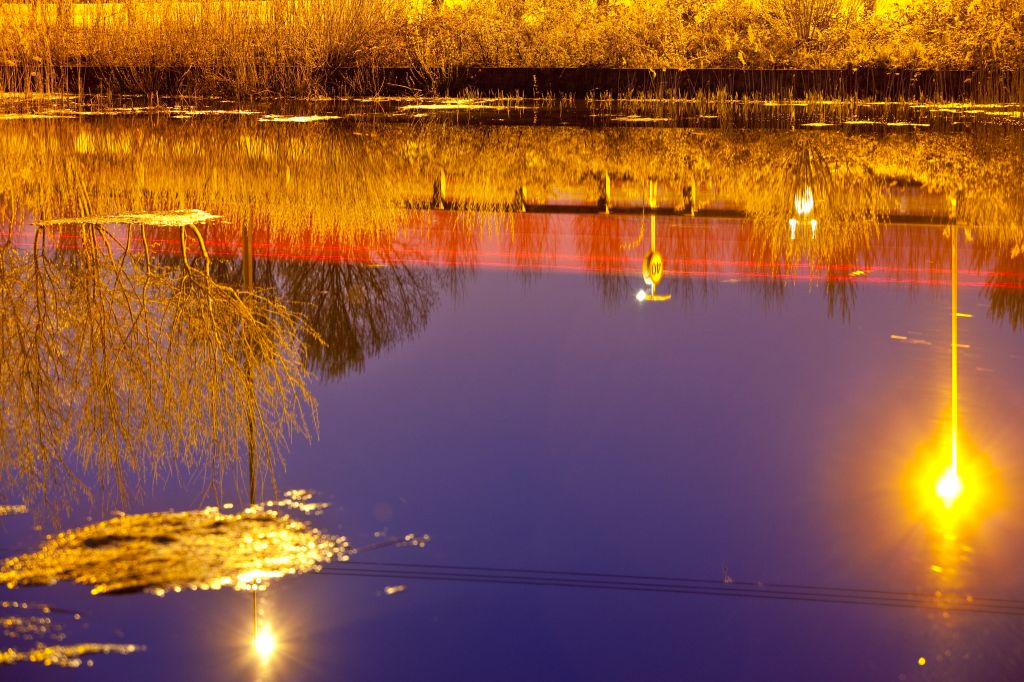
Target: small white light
[641,295]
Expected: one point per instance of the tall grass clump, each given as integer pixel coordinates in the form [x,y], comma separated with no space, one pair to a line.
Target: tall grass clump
[257,47]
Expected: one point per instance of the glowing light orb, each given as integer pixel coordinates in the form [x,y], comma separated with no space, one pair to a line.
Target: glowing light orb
[949,487]
[264,644]
[641,295]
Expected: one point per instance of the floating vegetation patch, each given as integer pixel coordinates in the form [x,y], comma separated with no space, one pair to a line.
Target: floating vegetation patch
[23,623]
[179,112]
[177,218]
[276,118]
[204,549]
[65,655]
[30,115]
[453,104]
[299,500]
[634,118]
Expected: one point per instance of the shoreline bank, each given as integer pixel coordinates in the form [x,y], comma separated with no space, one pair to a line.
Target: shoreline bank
[871,83]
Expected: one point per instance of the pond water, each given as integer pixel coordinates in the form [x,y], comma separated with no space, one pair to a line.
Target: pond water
[522,392]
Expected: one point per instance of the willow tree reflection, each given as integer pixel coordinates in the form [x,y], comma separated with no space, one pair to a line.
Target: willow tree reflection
[126,369]
[1005,290]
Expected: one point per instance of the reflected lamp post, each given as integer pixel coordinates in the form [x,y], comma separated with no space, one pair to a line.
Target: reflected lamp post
[949,487]
[810,173]
[803,212]
[654,264]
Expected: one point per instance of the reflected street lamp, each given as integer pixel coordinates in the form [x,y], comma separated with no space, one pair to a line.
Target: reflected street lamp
[803,206]
[654,264]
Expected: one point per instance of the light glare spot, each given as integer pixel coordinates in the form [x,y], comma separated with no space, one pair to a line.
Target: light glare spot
[949,487]
[264,644]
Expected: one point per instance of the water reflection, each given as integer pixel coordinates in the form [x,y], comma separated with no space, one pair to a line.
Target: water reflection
[122,367]
[39,633]
[820,204]
[206,549]
[144,343]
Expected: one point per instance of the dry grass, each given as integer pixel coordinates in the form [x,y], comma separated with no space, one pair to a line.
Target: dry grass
[327,184]
[254,47]
[320,181]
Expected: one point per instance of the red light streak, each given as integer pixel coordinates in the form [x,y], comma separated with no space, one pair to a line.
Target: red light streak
[623,262]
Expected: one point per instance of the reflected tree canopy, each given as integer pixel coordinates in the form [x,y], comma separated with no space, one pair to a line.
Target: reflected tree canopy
[131,370]
[827,203]
[357,309]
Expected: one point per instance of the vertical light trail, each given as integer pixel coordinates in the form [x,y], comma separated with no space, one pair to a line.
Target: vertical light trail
[954,409]
[950,487]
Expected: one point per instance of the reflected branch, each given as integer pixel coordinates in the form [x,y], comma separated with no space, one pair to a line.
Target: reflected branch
[128,369]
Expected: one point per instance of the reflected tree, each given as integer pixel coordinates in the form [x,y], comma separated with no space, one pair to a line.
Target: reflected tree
[357,309]
[1005,290]
[126,369]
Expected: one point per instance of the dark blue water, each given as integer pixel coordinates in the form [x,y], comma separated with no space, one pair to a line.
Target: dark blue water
[772,434]
[535,426]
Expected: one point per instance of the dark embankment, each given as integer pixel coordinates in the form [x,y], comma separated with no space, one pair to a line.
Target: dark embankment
[877,84]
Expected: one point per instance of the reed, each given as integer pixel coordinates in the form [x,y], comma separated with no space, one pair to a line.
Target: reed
[299,47]
[332,181]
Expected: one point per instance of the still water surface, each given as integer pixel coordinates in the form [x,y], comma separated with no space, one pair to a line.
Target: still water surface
[626,396]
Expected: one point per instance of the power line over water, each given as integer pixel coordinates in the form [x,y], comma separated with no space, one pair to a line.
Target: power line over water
[680,585]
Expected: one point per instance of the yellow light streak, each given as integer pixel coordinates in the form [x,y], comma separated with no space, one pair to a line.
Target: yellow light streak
[955,408]
[949,487]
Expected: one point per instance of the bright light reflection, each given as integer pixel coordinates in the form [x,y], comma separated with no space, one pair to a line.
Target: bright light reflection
[264,644]
[641,295]
[803,202]
[949,487]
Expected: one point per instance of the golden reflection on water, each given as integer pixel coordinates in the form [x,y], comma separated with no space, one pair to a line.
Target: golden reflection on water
[161,552]
[37,633]
[360,176]
[64,655]
[955,489]
[815,203]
